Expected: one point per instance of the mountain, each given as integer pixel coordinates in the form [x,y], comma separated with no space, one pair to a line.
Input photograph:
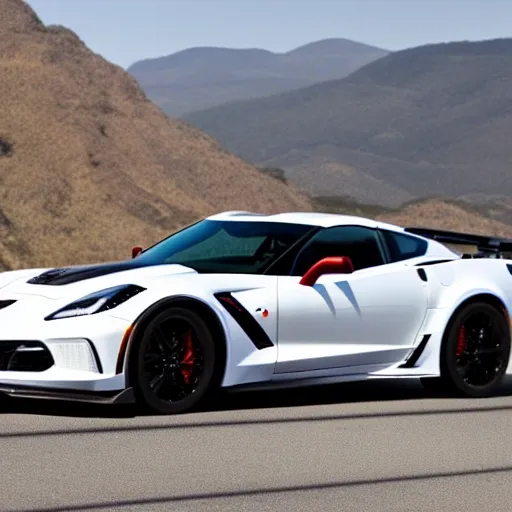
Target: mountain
[89,166]
[200,78]
[448,215]
[432,120]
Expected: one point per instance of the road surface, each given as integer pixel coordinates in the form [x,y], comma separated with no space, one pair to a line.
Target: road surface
[356,447]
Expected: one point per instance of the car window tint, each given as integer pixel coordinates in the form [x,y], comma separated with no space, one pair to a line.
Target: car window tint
[221,244]
[212,246]
[358,243]
[402,247]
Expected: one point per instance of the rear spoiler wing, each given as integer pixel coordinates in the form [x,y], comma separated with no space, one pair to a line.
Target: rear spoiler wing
[485,244]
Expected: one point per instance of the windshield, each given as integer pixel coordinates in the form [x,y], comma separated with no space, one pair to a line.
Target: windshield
[226,246]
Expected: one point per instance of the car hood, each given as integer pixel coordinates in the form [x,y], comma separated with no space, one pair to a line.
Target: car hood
[76,281]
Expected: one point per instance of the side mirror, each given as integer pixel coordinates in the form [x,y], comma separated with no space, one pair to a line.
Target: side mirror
[332,265]
[136,251]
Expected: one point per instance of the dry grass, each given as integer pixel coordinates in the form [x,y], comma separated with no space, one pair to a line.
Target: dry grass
[89,167]
[95,167]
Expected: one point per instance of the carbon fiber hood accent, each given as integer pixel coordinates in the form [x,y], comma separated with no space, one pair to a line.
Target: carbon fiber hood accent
[69,275]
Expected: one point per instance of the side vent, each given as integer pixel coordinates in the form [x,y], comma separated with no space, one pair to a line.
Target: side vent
[422,274]
[245,320]
[417,353]
[6,303]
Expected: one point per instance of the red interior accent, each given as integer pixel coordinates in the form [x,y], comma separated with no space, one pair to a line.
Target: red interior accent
[331,265]
[188,359]
[136,251]
[461,342]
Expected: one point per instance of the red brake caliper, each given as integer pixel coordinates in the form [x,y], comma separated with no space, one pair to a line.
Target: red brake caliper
[461,342]
[187,362]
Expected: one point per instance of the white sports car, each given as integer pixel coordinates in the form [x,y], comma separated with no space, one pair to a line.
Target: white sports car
[242,300]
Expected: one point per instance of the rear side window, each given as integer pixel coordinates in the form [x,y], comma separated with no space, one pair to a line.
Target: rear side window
[403,247]
[358,243]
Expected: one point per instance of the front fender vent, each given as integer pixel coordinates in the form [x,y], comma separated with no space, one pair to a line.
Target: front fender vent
[245,320]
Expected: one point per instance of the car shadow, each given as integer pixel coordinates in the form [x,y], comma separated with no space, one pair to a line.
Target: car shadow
[384,390]
[333,394]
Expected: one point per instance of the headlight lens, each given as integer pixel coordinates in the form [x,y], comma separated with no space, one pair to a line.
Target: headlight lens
[97,302]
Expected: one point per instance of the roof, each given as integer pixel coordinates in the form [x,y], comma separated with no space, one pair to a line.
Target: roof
[328,220]
[325,220]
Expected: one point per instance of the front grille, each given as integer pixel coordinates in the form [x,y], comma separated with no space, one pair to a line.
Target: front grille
[24,356]
[6,303]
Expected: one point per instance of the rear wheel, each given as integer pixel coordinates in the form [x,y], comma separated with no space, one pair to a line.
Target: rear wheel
[475,352]
[174,364]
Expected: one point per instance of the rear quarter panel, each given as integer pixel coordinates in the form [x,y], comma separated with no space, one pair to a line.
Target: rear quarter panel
[449,286]
[452,283]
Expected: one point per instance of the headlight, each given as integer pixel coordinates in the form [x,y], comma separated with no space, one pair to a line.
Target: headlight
[97,302]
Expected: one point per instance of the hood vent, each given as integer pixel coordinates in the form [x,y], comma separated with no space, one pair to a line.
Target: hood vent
[75,274]
[5,303]
[46,277]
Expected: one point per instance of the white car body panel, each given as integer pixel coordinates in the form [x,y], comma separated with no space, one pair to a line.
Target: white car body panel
[345,327]
[353,320]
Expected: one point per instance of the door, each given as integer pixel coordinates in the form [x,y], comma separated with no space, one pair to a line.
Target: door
[348,321]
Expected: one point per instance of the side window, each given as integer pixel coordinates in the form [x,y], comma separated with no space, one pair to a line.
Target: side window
[358,243]
[402,247]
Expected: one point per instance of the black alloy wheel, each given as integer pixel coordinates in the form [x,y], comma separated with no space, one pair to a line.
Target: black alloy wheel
[175,362]
[475,352]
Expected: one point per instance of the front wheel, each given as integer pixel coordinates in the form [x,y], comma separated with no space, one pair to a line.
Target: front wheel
[173,365]
[475,351]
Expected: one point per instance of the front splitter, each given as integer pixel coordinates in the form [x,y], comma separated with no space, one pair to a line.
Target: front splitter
[124,397]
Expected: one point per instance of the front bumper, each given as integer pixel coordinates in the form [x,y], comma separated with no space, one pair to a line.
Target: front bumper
[80,356]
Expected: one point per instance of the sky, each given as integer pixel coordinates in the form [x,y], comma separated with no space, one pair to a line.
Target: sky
[125,31]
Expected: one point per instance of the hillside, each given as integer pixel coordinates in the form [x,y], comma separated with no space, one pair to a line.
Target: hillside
[433,120]
[200,78]
[89,167]
[438,214]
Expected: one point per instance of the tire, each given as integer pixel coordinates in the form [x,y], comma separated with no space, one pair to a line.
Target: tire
[475,352]
[173,364]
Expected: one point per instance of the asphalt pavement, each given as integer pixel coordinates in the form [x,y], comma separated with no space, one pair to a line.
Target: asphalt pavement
[374,446]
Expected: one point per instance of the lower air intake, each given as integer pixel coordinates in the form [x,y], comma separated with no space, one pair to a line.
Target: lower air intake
[24,356]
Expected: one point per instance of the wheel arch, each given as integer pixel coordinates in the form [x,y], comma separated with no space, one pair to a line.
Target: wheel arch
[211,318]
[485,297]
[440,320]
[448,373]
